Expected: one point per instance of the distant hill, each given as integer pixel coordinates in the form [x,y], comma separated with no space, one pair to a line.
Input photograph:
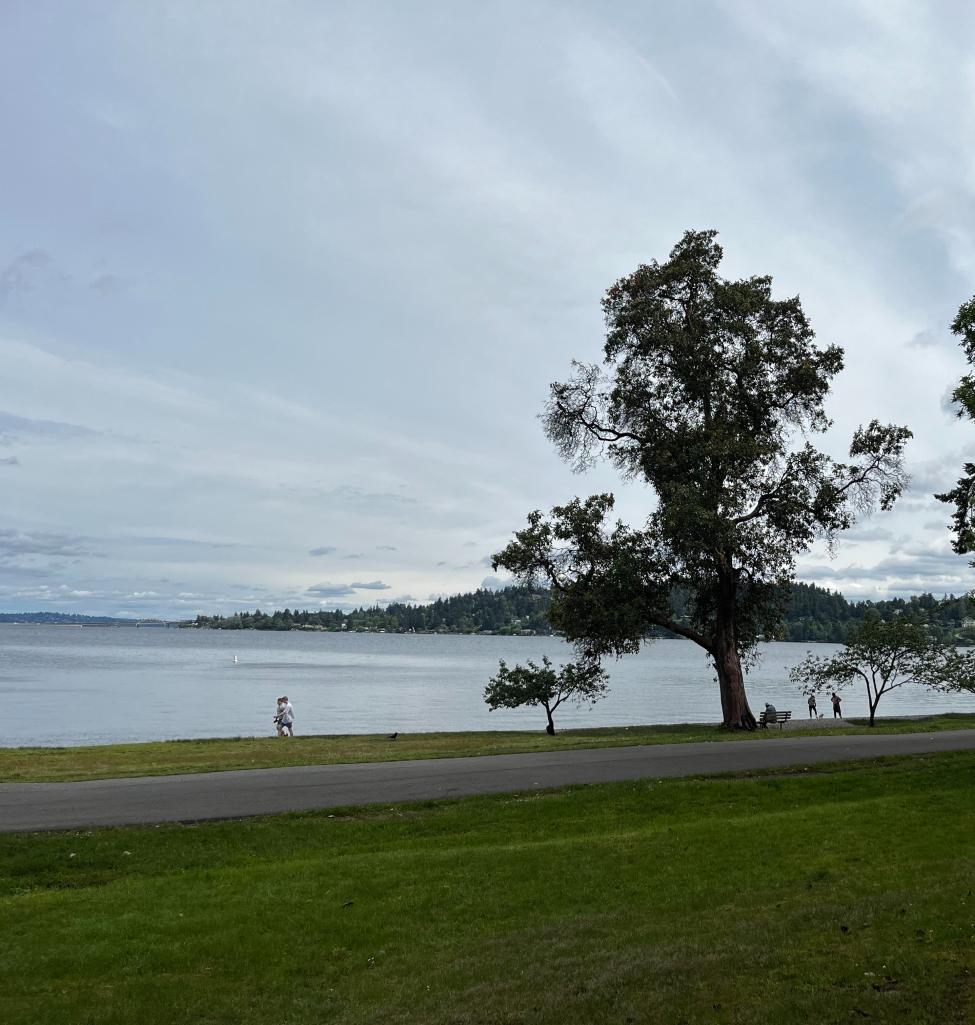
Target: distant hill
[70,619]
[814,614]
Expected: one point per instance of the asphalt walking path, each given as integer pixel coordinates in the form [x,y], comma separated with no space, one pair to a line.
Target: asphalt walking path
[147,800]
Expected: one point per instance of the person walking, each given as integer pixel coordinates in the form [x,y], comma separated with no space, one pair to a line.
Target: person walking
[277,717]
[287,717]
[837,713]
[812,706]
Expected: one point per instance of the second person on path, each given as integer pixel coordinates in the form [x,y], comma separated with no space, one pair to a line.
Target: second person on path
[287,714]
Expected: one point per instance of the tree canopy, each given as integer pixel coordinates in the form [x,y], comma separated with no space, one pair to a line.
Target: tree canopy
[962,496]
[708,392]
[885,655]
[532,685]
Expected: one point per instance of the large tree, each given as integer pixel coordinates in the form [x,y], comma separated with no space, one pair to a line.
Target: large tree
[962,496]
[708,392]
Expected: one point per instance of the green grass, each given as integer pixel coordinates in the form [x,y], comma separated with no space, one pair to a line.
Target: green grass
[41,764]
[838,895]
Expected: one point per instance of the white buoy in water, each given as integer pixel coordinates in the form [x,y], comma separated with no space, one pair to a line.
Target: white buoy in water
[236,659]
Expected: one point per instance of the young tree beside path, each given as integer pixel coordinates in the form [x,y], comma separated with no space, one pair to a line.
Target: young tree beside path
[885,655]
[708,392]
[533,685]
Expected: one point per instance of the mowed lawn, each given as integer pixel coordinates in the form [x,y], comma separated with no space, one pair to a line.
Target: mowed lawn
[48,764]
[838,895]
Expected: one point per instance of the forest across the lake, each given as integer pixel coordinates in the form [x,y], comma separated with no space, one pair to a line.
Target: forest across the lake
[813,613]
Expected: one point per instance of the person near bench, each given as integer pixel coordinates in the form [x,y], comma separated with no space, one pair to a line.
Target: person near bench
[773,717]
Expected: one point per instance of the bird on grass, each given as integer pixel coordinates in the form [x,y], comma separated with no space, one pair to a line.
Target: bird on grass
[393,736]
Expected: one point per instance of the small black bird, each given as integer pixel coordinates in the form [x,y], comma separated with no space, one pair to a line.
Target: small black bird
[393,736]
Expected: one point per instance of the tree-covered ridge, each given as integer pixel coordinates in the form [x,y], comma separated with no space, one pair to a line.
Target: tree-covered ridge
[510,611]
[75,619]
[813,614]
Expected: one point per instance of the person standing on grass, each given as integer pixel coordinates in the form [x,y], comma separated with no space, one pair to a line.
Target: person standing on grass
[837,714]
[277,717]
[812,706]
[287,717]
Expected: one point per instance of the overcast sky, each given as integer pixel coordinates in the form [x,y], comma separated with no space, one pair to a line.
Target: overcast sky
[282,286]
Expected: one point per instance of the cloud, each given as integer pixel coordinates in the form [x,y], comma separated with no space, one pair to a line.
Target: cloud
[928,340]
[10,461]
[913,566]
[385,548]
[329,590]
[165,541]
[867,533]
[934,476]
[107,284]
[21,426]
[497,583]
[367,501]
[354,555]
[323,550]
[23,272]
[16,545]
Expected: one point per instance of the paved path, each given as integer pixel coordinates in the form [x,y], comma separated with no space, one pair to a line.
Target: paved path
[220,795]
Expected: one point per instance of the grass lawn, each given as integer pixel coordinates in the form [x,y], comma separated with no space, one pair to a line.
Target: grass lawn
[40,764]
[838,895]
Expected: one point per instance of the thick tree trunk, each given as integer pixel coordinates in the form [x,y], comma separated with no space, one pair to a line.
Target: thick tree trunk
[550,727]
[731,681]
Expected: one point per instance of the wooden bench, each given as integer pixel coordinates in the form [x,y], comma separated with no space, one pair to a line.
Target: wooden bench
[764,720]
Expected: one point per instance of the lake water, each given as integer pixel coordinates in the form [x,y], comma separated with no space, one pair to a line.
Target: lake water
[93,685]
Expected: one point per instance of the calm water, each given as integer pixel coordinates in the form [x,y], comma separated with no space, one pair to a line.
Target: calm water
[65,685]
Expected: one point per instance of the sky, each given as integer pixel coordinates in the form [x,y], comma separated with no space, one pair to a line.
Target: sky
[283,286]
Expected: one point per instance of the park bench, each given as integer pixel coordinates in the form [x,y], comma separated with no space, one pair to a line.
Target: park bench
[780,717]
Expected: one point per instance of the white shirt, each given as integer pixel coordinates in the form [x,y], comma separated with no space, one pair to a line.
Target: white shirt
[287,714]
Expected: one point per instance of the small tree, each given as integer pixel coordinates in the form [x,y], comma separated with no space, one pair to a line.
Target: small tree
[531,685]
[886,655]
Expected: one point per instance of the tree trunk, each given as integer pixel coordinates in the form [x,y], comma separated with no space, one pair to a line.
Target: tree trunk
[872,700]
[731,681]
[550,727]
